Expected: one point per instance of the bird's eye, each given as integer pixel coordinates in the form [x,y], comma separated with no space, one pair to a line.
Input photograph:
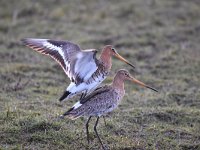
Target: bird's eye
[126,74]
[113,49]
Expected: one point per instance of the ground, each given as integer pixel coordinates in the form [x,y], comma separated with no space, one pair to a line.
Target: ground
[160,37]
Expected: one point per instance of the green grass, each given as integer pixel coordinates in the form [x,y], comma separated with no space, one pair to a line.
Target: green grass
[160,37]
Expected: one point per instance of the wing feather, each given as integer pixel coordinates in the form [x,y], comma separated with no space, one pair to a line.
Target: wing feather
[78,65]
[100,90]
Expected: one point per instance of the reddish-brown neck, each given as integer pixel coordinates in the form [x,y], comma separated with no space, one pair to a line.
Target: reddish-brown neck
[118,83]
[106,58]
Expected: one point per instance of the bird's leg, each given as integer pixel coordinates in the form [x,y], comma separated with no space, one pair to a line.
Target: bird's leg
[87,131]
[95,129]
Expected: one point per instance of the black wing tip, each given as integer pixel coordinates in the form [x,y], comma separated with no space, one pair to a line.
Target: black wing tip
[27,40]
[33,39]
[24,40]
[65,94]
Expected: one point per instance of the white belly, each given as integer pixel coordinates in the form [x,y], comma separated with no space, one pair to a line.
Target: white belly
[86,86]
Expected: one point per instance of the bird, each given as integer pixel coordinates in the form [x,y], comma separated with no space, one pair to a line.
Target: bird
[102,101]
[85,71]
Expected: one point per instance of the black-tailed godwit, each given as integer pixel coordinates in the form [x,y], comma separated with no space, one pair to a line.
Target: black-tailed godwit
[102,101]
[85,71]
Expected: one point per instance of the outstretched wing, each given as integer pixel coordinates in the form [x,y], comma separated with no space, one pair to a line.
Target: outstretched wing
[78,65]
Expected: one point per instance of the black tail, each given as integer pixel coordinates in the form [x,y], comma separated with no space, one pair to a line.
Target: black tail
[65,94]
[68,112]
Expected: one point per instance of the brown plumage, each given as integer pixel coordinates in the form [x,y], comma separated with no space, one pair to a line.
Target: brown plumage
[103,100]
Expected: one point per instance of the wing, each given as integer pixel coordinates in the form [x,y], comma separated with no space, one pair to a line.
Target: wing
[78,65]
[84,65]
[100,90]
[101,99]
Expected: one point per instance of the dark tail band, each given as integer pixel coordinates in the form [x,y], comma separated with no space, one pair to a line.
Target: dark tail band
[67,113]
[65,94]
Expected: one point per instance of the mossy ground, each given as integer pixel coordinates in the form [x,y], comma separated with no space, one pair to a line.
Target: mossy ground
[161,37]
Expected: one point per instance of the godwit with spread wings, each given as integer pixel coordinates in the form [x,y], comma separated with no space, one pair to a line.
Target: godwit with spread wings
[85,71]
[103,100]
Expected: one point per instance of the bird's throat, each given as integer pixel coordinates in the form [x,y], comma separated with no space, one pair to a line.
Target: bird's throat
[106,60]
[118,83]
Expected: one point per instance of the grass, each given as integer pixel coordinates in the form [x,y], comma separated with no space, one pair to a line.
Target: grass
[160,37]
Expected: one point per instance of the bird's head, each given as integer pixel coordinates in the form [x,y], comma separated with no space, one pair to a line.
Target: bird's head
[125,75]
[112,51]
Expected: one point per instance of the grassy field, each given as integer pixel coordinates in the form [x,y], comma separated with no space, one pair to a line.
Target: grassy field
[160,37]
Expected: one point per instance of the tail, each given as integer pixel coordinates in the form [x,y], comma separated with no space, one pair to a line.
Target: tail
[70,114]
[74,112]
[71,91]
[65,95]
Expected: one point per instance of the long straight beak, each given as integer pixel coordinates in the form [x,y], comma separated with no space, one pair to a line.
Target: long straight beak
[123,59]
[142,84]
